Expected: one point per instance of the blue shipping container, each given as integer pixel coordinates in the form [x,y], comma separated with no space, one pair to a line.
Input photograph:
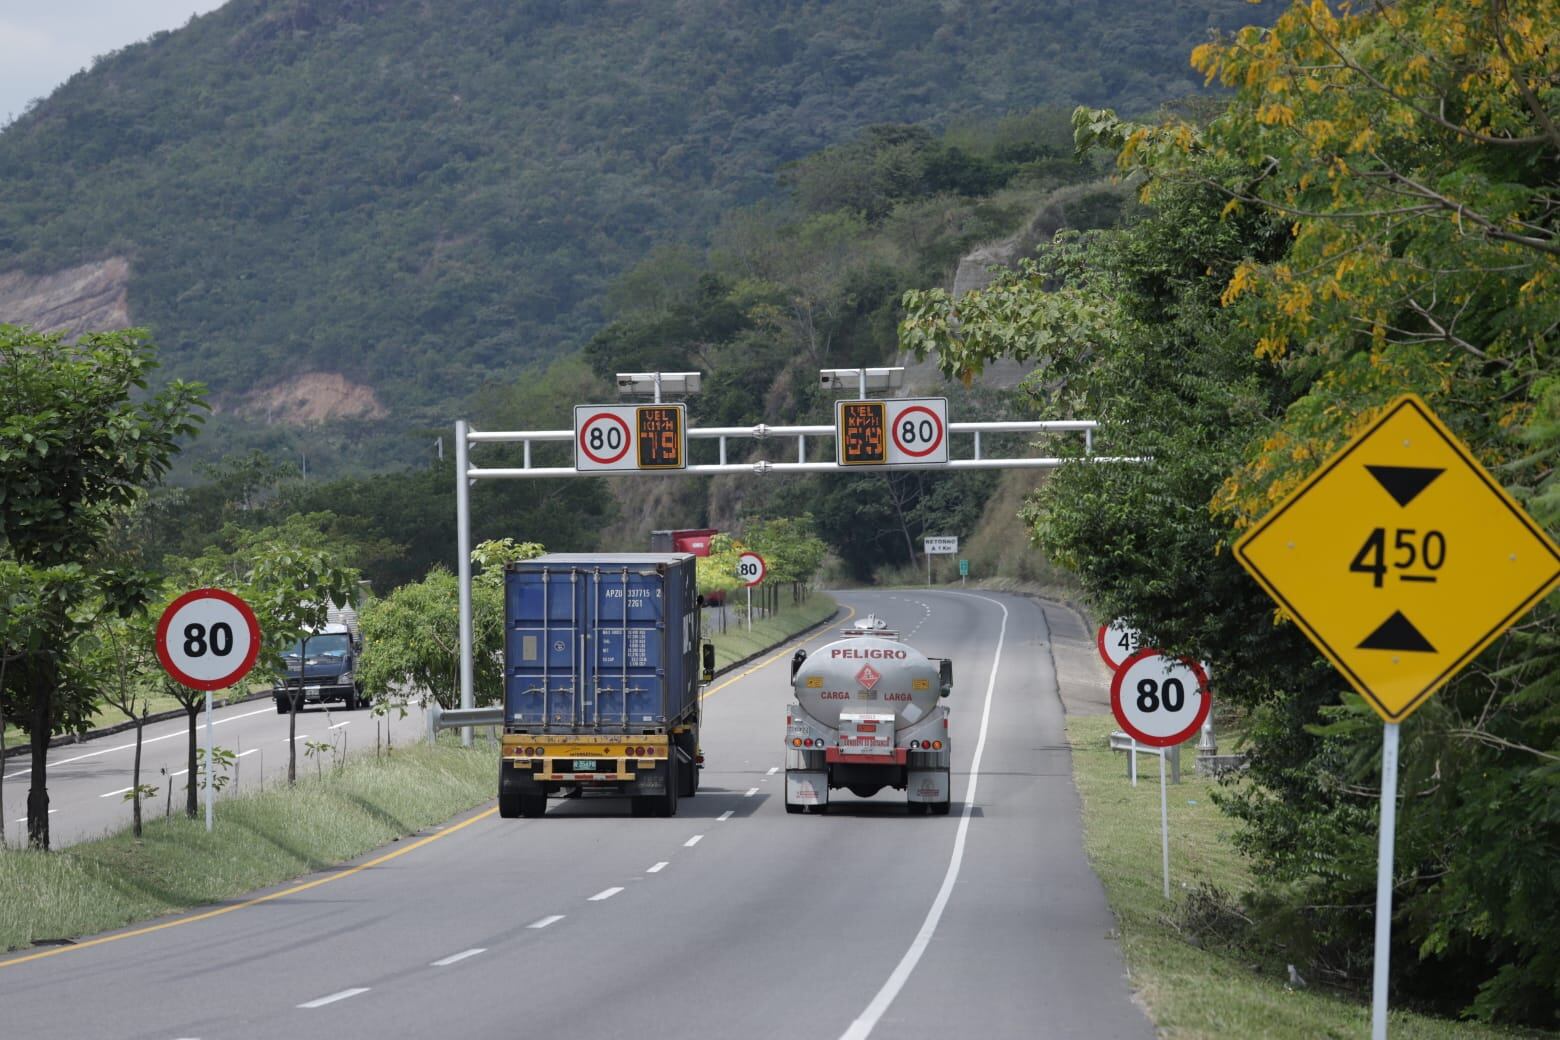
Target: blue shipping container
[601,643]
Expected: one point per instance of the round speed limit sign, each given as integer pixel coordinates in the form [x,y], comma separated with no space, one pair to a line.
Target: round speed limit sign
[1116,642]
[1160,701]
[751,568]
[208,639]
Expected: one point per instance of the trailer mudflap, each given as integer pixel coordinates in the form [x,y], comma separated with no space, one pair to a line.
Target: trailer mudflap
[928,785]
[806,788]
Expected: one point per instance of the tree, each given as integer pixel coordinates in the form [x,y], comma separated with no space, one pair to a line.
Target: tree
[119,660]
[411,638]
[1407,159]
[80,435]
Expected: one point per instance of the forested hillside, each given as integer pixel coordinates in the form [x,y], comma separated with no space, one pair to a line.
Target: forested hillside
[415,197]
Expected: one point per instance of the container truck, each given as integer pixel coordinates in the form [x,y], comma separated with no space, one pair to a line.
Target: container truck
[867,716]
[602,680]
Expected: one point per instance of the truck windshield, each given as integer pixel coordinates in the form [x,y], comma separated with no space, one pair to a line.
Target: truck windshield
[320,648]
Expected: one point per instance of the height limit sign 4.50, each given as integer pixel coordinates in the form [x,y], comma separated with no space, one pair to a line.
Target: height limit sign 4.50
[1401,558]
[900,432]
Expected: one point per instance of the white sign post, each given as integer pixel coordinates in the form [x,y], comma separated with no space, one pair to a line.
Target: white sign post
[938,545]
[751,569]
[208,640]
[1160,701]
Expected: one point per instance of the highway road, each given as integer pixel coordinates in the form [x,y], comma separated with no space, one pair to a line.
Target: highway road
[88,781]
[732,919]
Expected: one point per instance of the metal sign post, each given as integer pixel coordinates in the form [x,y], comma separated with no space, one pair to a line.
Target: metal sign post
[1384,846]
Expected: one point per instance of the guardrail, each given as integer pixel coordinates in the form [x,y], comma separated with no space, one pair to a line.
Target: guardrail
[456,718]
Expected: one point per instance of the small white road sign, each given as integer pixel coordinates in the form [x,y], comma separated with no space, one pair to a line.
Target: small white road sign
[940,545]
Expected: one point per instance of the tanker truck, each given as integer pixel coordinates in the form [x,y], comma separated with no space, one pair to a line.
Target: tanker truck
[866,717]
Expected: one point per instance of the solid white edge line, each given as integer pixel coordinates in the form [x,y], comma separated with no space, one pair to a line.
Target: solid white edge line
[111,794]
[691,842]
[340,724]
[544,922]
[862,1027]
[657,868]
[606,893]
[343,995]
[455,957]
[722,818]
[127,747]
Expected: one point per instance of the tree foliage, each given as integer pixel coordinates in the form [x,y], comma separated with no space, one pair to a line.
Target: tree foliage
[80,438]
[1373,212]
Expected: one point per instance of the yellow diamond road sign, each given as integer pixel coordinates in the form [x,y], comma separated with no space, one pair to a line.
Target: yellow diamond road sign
[1401,558]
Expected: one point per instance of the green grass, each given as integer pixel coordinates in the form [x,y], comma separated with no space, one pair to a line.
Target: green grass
[738,643]
[1192,991]
[259,839]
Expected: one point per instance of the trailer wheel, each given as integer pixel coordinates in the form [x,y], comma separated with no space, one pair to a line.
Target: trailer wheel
[666,804]
[533,805]
[508,802]
[917,808]
[792,807]
[939,808]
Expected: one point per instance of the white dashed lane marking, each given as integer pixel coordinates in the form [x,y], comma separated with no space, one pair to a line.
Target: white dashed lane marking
[544,922]
[723,817]
[343,995]
[773,770]
[751,791]
[606,893]
[691,842]
[455,957]
[657,868]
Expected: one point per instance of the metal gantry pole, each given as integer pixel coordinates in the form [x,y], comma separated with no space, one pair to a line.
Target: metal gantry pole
[1385,841]
[463,548]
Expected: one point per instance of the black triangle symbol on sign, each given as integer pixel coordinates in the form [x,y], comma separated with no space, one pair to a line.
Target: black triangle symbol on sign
[1404,482]
[1397,633]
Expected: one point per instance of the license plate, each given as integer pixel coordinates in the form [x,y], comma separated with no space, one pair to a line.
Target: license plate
[583,765]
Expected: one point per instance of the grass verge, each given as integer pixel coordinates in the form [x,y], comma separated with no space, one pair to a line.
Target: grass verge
[259,839]
[1192,991]
[738,643]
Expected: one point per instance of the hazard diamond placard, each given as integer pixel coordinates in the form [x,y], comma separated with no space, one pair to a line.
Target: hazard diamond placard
[1401,558]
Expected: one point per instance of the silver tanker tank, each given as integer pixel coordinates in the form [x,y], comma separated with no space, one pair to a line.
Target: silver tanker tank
[866,674]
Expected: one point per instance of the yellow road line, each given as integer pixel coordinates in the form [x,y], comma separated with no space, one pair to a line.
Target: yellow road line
[294,890]
[850,612]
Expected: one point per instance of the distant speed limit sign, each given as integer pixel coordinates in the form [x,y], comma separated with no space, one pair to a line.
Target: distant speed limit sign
[603,438]
[208,639]
[751,568]
[1160,701]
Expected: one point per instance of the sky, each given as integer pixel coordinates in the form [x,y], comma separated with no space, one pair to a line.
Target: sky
[45,42]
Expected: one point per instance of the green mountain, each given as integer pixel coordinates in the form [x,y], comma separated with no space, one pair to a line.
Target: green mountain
[368,209]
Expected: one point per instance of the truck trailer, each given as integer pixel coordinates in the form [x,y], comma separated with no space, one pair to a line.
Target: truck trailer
[602,680]
[867,716]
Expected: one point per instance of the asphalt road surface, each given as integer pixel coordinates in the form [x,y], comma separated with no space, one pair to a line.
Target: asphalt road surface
[88,781]
[732,919]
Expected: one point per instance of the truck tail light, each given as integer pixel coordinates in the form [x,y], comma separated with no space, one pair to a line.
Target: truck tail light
[937,745]
[796,741]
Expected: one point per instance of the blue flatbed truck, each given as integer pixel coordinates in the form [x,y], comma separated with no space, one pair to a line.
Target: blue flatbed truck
[603,672]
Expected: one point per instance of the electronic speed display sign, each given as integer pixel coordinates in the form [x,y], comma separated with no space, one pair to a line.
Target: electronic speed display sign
[1160,701]
[630,437]
[899,432]
[208,639]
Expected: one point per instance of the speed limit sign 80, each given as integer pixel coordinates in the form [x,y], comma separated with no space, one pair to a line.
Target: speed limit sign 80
[751,568]
[208,639]
[1160,701]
